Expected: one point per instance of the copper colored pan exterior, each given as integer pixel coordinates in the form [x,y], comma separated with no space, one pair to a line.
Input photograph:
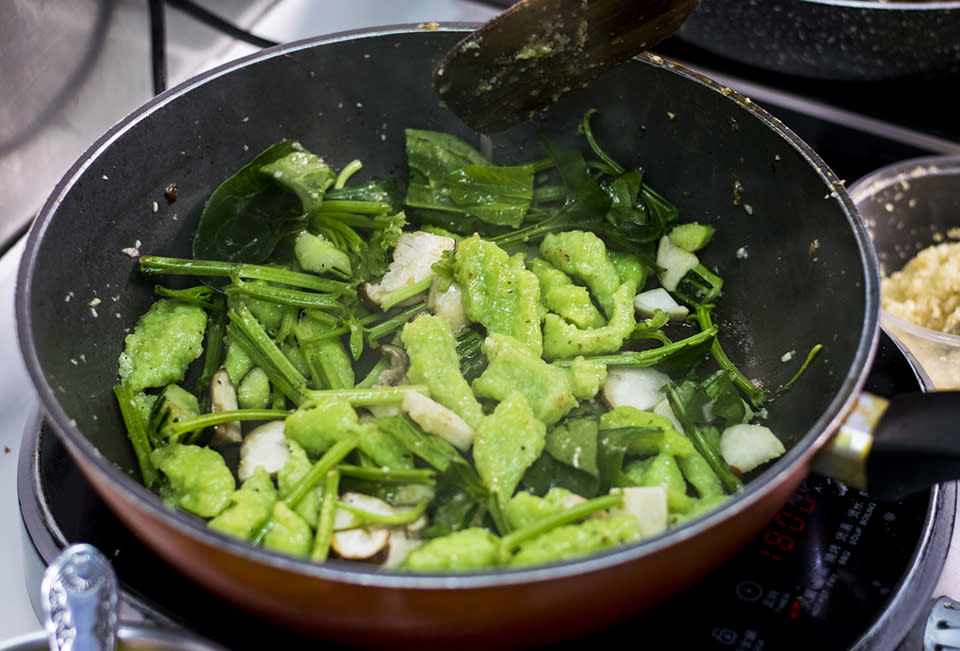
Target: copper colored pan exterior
[808,276]
[554,606]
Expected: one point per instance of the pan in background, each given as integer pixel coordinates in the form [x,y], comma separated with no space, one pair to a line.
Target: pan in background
[852,40]
[907,207]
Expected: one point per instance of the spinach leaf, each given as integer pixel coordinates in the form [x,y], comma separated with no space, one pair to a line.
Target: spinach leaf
[451,181]
[470,352]
[729,407]
[452,511]
[570,460]
[598,196]
[574,442]
[546,473]
[432,155]
[249,213]
[496,195]
[637,212]
[614,446]
[688,401]
[374,190]
[584,199]
[303,173]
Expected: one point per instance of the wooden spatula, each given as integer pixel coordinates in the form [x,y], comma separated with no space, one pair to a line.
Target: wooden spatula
[537,50]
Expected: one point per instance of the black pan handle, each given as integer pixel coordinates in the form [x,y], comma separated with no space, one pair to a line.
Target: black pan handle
[916,444]
[895,447]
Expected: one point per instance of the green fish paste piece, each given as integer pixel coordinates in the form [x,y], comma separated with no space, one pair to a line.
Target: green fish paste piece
[166,339]
[630,268]
[317,426]
[467,549]
[198,479]
[251,507]
[586,377]
[288,532]
[512,367]
[583,255]
[507,442]
[298,464]
[574,540]
[563,340]
[562,296]
[526,508]
[499,292]
[432,349]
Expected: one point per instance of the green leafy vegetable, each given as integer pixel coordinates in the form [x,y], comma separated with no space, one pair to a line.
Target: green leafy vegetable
[472,395]
[249,213]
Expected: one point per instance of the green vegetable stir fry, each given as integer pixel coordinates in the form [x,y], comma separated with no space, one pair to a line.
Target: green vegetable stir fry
[498,366]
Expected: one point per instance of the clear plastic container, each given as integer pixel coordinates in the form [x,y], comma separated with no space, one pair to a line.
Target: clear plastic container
[907,207]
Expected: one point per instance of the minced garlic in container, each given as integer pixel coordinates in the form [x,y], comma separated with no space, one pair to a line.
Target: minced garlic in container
[927,290]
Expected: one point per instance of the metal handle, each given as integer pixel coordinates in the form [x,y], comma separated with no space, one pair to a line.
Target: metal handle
[942,632]
[79,593]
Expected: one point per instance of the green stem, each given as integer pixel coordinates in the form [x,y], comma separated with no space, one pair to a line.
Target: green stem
[652,328]
[213,350]
[284,295]
[402,294]
[362,397]
[651,356]
[262,532]
[352,168]
[398,476]
[333,456]
[264,351]
[347,208]
[137,433]
[374,332]
[201,295]
[226,416]
[549,194]
[373,376]
[379,331]
[731,483]
[328,511]
[756,395]
[587,131]
[813,353]
[152,264]
[395,519]
[542,164]
[567,516]
[333,333]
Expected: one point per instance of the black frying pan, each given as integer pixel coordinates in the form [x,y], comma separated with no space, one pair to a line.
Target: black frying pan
[810,277]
